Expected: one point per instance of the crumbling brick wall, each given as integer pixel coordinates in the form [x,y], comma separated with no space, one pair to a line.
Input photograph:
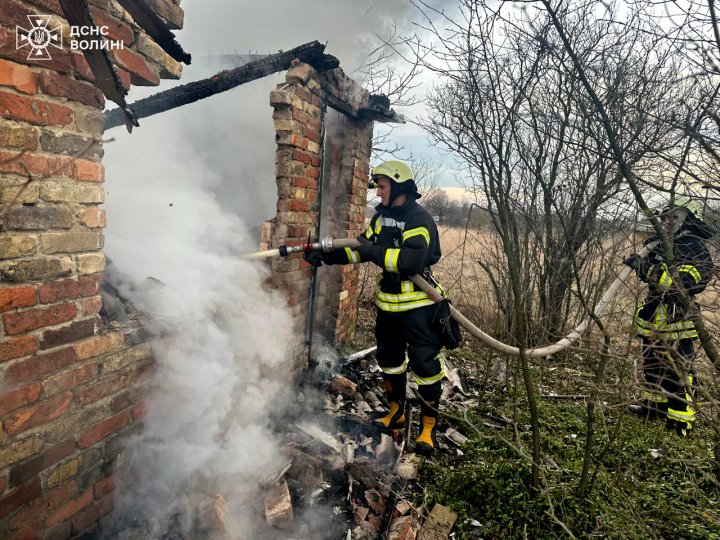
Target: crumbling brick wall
[315,144]
[67,389]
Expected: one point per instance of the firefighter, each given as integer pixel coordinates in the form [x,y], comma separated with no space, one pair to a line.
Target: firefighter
[666,331]
[402,239]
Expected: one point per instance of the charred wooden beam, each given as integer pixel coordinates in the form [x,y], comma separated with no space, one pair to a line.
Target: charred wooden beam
[149,21]
[311,53]
[77,13]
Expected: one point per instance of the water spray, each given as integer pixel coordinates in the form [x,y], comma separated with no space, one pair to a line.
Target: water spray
[329,244]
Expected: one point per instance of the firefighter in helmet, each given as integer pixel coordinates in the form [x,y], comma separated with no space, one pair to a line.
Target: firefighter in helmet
[662,323]
[401,239]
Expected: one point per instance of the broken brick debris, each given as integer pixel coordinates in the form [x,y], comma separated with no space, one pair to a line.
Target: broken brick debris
[307,470]
[404,528]
[278,506]
[438,524]
[343,385]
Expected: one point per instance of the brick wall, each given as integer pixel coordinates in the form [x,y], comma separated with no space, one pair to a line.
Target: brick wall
[302,160]
[67,382]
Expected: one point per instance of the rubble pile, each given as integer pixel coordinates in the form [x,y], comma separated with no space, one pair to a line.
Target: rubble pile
[339,461]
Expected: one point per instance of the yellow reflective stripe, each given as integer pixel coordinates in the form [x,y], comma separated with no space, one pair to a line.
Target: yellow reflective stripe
[418,231]
[690,269]
[647,395]
[353,256]
[666,280]
[378,226]
[402,368]
[391,259]
[424,381]
[684,416]
[406,306]
[401,297]
[407,286]
[649,272]
[368,233]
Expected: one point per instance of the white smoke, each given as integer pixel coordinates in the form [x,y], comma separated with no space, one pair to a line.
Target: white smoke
[187,192]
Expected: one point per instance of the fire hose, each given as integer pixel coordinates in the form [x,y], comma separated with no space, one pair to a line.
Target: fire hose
[329,244]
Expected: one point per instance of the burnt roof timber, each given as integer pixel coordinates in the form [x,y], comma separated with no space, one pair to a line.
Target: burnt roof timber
[149,21]
[77,13]
[310,53]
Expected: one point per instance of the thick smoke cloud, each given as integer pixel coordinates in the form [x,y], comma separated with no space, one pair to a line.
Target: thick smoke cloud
[186,194]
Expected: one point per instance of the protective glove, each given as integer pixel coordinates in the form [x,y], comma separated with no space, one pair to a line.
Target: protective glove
[634,261]
[315,258]
[368,251]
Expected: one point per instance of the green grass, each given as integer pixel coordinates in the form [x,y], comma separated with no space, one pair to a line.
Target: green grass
[634,496]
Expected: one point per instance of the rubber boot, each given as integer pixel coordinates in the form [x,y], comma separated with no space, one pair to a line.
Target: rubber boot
[680,428]
[427,441]
[395,391]
[649,409]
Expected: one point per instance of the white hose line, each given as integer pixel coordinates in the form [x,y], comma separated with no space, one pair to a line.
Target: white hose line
[537,352]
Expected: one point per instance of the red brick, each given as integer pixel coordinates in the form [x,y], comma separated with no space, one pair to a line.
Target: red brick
[54,84]
[99,431]
[81,67]
[312,196]
[70,509]
[18,347]
[57,496]
[313,173]
[68,380]
[56,291]
[31,369]
[18,76]
[31,319]
[90,285]
[91,306]
[88,171]
[302,157]
[311,133]
[116,30]
[138,412]
[92,513]
[299,206]
[17,297]
[141,74]
[36,165]
[125,79]
[108,386]
[13,13]
[93,217]
[35,111]
[53,6]
[299,181]
[95,346]
[74,331]
[25,471]
[61,532]
[104,487]
[38,414]
[28,533]
[299,141]
[19,497]
[19,398]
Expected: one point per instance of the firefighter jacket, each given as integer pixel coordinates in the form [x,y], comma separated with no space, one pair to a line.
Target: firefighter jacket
[661,315]
[405,242]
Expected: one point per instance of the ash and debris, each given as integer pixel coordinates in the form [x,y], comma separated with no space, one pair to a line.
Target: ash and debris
[342,479]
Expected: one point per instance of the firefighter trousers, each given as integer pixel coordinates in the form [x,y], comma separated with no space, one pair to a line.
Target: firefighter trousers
[668,371]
